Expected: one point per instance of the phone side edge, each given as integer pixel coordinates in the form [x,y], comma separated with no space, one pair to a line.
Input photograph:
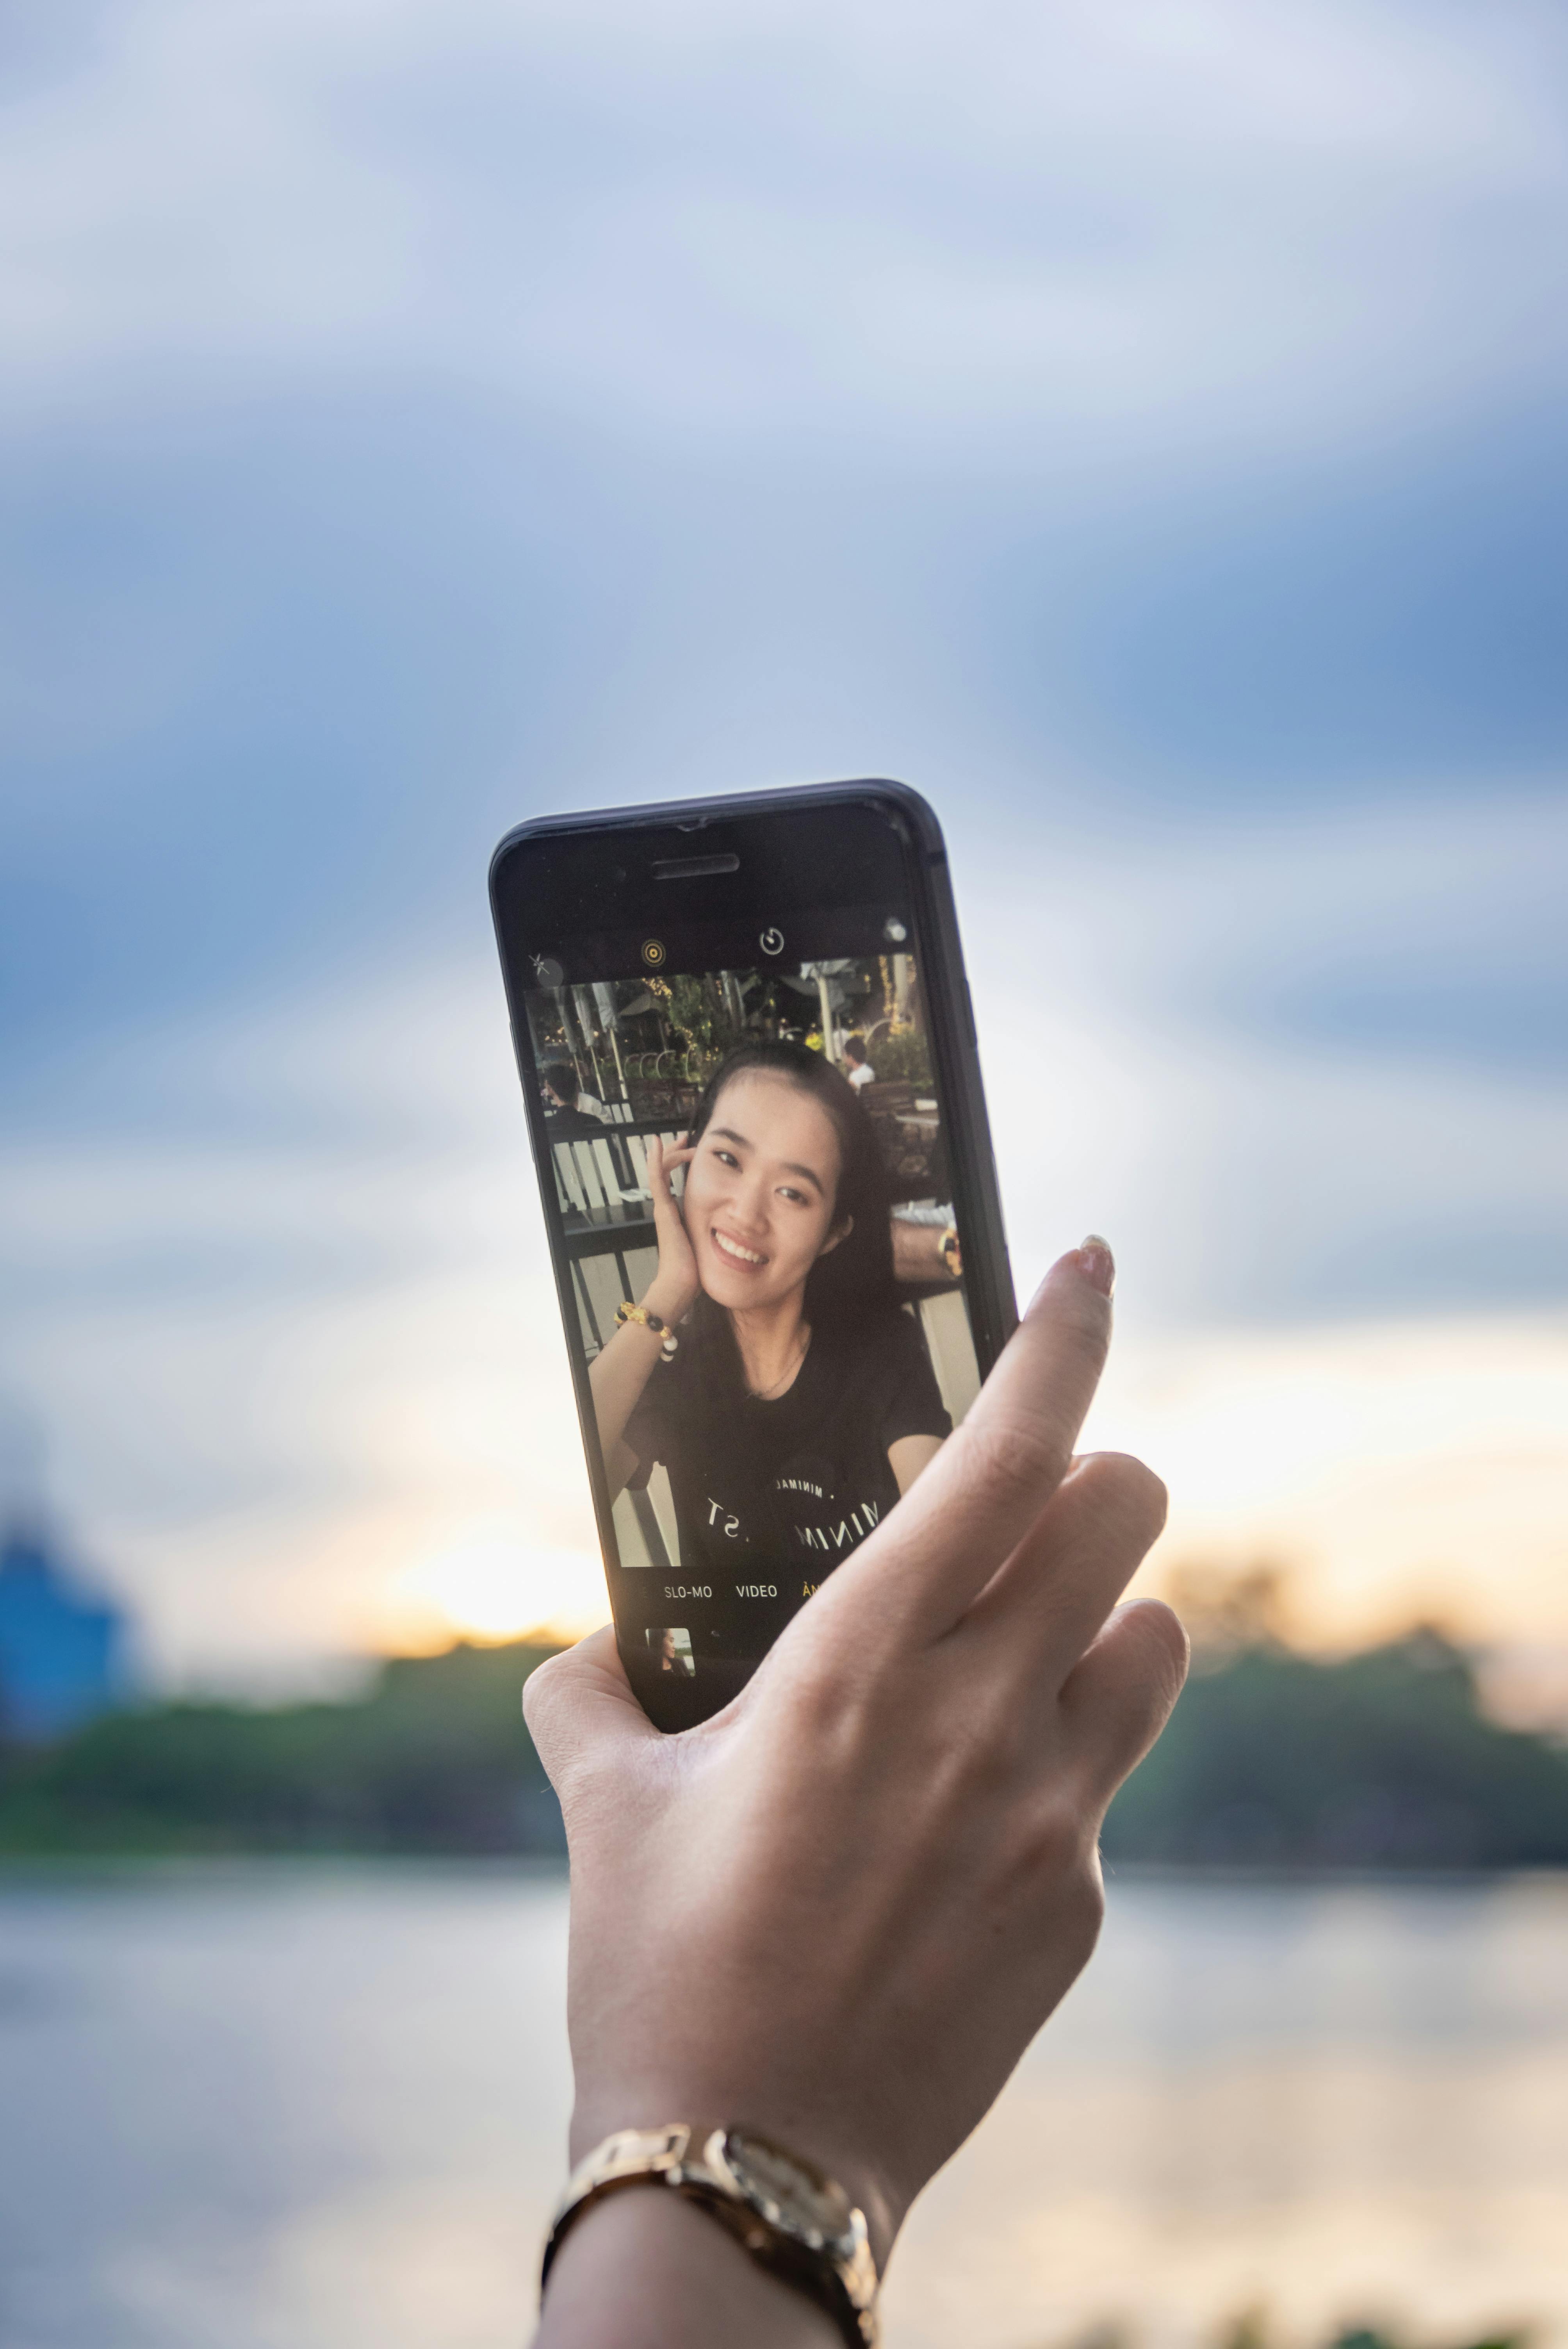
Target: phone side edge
[950,1010]
[560,1265]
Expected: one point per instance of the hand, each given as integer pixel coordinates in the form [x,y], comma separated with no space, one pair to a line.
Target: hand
[839,1911]
[674,1288]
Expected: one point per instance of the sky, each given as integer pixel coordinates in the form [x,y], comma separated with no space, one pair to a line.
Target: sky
[1139,426]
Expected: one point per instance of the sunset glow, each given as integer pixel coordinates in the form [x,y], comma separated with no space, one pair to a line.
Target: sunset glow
[491,1583]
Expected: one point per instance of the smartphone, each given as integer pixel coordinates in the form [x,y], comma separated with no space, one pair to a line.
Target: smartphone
[748,1061]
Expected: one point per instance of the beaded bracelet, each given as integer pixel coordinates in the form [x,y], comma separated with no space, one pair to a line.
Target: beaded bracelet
[660,1329]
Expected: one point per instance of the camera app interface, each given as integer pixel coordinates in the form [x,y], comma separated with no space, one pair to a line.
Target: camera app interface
[753,1198]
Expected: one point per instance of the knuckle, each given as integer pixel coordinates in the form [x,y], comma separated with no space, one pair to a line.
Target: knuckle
[1012,1455]
[541,1693]
[1054,1838]
[1133,1494]
[1085,1903]
[1055,1855]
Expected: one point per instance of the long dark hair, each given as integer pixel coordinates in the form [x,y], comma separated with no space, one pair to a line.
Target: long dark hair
[852,1285]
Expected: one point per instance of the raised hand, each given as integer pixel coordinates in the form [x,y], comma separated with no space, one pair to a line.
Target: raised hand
[674,1284]
[838,1910]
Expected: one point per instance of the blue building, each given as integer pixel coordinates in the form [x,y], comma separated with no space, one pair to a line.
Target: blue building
[62,1650]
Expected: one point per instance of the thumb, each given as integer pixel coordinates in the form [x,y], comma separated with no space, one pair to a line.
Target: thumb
[580,1711]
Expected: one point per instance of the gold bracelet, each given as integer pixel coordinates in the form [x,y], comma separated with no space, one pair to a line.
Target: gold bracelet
[661,1328]
[795,2221]
[948,1250]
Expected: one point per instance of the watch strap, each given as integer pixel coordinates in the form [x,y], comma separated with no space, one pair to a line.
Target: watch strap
[688,2158]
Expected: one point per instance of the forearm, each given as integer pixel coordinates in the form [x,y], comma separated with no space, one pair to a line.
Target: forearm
[617,1379]
[910,1456]
[917,1257]
[645,2270]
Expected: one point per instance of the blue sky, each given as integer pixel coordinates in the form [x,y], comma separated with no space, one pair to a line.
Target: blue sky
[1139,426]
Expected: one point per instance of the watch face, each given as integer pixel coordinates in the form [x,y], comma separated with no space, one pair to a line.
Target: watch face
[786,2191]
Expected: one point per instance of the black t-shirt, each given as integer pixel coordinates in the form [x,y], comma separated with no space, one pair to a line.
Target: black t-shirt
[799,1482]
[572,1124]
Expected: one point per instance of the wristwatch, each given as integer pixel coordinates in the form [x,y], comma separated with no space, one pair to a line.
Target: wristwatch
[794,2219]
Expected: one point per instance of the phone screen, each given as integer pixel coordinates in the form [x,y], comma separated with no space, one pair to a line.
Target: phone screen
[747,1122]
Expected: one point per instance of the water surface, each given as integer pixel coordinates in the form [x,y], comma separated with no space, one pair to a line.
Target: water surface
[289,2107]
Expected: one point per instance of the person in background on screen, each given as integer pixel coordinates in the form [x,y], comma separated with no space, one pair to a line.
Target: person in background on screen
[673,1658]
[565,1115]
[855,1895]
[859,1070]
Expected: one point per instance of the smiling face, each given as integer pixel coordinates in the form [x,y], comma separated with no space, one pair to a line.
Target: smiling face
[760,1192]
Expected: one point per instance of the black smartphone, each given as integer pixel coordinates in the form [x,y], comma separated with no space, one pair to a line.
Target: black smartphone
[748,1061]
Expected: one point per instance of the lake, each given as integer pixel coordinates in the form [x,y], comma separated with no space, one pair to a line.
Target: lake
[323,2107]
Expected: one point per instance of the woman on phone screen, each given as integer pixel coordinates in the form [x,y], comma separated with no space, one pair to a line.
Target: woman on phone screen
[797,1401]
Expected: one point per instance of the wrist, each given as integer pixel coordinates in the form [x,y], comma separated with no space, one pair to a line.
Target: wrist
[670,1300]
[804,2129]
[647,2270]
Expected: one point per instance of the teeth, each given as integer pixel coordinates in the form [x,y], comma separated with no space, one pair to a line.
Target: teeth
[734,1248]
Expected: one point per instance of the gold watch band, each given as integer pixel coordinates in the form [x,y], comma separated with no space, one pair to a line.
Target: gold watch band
[793,2220]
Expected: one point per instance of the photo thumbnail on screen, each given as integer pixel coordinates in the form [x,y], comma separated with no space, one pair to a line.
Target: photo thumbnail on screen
[753,1198]
[671,1649]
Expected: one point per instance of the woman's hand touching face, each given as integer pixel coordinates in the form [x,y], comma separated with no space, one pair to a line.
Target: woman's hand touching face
[838,1910]
[674,1283]
[760,1191]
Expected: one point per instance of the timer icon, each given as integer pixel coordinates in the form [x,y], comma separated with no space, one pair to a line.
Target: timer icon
[771,941]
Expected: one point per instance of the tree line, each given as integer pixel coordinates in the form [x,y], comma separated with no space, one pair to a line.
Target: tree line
[1273,1759]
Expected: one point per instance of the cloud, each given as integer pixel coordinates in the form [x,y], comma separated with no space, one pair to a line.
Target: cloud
[1120,419]
[1163,1028]
[1126,224]
[1398,1472]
